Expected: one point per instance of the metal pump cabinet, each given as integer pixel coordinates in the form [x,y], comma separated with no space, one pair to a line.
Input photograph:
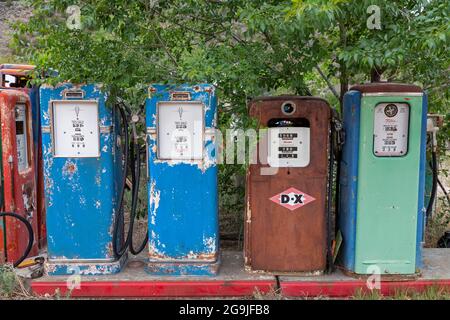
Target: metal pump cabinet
[16,77]
[82,156]
[18,180]
[182,180]
[381,204]
[286,215]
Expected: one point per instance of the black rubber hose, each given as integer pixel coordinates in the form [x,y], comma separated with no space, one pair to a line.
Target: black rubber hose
[433,166]
[135,198]
[119,217]
[30,235]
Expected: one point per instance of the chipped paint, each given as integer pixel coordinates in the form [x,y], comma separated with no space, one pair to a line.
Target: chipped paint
[69,169]
[249,211]
[155,197]
[81,194]
[210,244]
[84,268]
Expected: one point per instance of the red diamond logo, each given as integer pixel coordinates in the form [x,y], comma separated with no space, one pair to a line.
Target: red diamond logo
[292,199]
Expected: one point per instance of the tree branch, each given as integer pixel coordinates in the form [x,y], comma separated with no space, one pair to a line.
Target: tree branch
[165,48]
[329,84]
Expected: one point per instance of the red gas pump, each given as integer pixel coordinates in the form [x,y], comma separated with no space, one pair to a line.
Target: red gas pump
[18,174]
[17,77]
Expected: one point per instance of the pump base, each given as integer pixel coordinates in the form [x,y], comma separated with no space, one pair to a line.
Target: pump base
[233,281]
[312,273]
[84,267]
[383,277]
[183,268]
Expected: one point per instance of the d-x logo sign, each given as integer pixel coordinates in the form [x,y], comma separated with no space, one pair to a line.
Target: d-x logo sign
[292,199]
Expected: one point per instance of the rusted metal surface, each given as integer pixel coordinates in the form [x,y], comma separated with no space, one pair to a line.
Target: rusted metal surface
[386,87]
[25,71]
[19,188]
[278,239]
[84,267]
[182,269]
[2,242]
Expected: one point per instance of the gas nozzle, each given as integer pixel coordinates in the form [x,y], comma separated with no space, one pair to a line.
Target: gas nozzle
[434,122]
[134,120]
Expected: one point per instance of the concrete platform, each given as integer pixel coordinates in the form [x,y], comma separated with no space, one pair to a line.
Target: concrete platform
[435,272]
[133,281]
[234,281]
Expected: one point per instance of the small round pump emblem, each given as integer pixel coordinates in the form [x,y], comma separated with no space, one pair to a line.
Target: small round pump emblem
[391,110]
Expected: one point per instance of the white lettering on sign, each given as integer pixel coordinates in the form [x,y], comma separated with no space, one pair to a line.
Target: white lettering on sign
[76,129]
[180,130]
[391,125]
[21,136]
[292,198]
[289,147]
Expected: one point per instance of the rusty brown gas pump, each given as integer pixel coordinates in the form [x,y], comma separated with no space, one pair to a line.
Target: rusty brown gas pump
[287,212]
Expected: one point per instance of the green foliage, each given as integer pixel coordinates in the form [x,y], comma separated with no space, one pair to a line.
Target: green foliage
[438,224]
[8,281]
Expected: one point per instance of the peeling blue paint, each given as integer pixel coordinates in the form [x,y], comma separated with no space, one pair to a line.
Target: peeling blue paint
[81,194]
[183,198]
[349,179]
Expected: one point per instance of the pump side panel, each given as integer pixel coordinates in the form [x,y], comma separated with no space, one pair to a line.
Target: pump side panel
[349,179]
[2,220]
[421,209]
[80,193]
[183,198]
[35,107]
[2,241]
[387,195]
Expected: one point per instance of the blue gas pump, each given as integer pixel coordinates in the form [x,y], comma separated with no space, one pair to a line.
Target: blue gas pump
[82,147]
[182,180]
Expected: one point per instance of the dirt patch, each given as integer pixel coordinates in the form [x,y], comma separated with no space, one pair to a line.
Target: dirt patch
[10,12]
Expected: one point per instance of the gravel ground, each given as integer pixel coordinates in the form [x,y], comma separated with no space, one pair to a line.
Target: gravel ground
[10,12]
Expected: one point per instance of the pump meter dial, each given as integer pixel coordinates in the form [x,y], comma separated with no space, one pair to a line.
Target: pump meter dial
[391,126]
[180,130]
[75,129]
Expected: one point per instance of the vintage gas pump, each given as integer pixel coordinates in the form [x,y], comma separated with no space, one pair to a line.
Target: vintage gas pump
[286,222]
[83,169]
[381,210]
[18,77]
[182,185]
[18,218]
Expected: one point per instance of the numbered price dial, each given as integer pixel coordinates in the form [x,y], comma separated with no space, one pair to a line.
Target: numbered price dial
[289,147]
[180,131]
[76,129]
[391,125]
[21,136]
